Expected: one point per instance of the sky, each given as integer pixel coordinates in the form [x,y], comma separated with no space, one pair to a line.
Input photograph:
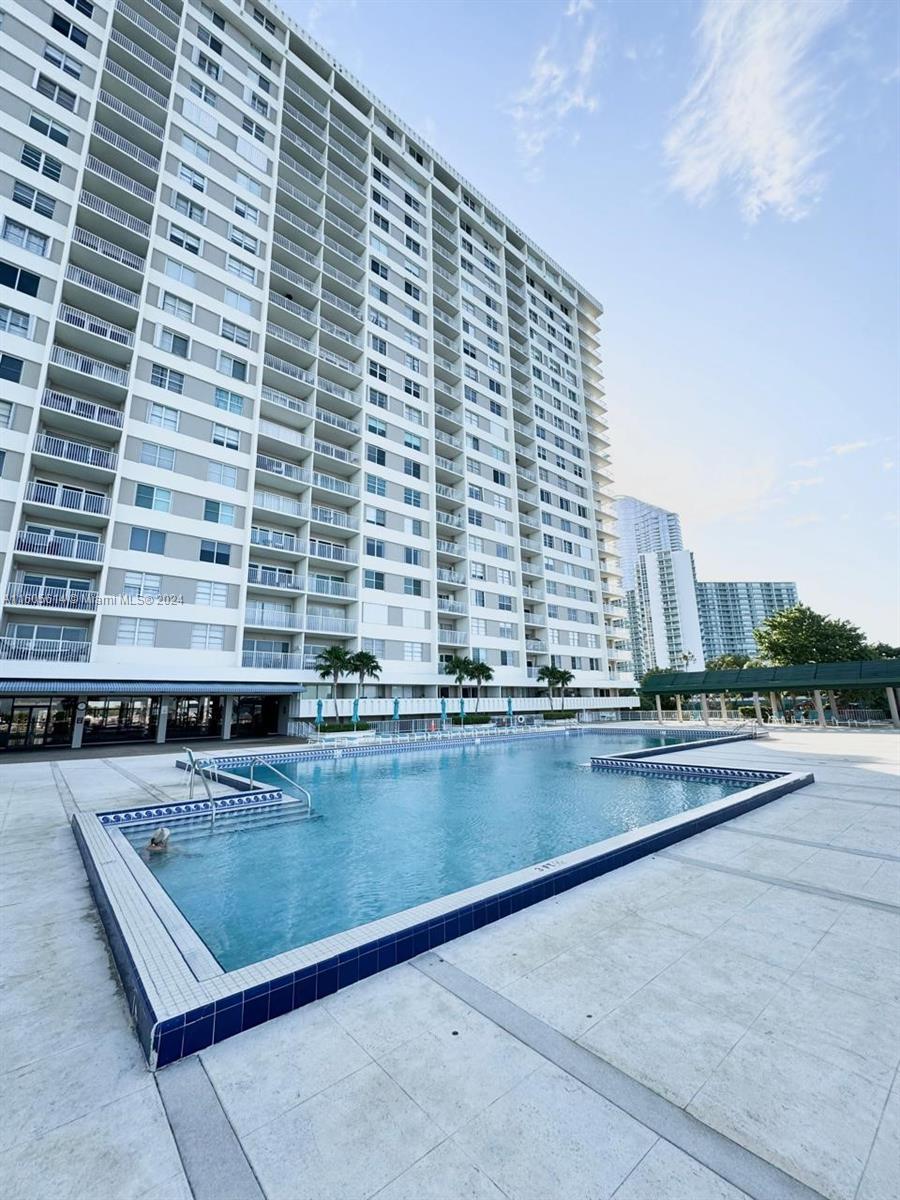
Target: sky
[723,176]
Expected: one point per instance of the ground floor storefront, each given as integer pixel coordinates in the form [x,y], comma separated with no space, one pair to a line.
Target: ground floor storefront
[59,714]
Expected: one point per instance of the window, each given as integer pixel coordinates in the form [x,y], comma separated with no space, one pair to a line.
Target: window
[135,631]
[241,269]
[374,579]
[259,105]
[213,595]
[374,547]
[174,343]
[224,435]
[215,552]
[177,307]
[413,652]
[235,333]
[26,237]
[412,290]
[158,456]
[378,268]
[412,468]
[162,415]
[378,371]
[244,240]
[379,345]
[157,498]
[64,62]
[189,208]
[414,526]
[247,212]
[52,129]
[373,425]
[412,388]
[411,496]
[187,241]
[375,485]
[83,6]
[37,160]
[141,583]
[412,556]
[219,513]
[11,368]
[56,92]
[148,541]
[165,377]
[209,40]
[375,454]
[379,399]
[181,271]
[14,321]
[64,26]
[412,441]
[253,186]
[192,146]
[261,19]
[373,646]
[208,65]
[238,300]
[223,473]
[229,401]
[207,637]
[205,93]
[235,368]
[375,516]
[254,127]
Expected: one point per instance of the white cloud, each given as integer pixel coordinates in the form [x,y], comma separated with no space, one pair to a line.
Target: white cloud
[804,519]
[753,118]
[561,82]
[851,447]
[796,485]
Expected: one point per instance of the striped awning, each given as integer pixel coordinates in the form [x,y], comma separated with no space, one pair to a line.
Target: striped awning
[141,687]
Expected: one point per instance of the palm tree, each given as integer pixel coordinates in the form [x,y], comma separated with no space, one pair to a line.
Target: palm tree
[564,679]
[460,668]
[332,664]
[480,673]
[547,676]
[364,666]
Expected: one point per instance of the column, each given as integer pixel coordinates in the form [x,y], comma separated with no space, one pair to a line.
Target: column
[659,715]
[227,715]
[832,700]
[722,707]
[78,727]
[892,705]
[704,708]
[773,704]
[757,707]
[163,721]
[678,706]
[820,707]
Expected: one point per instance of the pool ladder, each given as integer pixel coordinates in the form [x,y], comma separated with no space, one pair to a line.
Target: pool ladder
[292,784]
[209,767]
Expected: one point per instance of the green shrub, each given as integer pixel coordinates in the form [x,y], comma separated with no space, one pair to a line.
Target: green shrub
[344,727]
[472,719]
[559,715]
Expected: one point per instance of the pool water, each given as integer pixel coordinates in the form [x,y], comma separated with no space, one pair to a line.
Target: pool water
[394,831]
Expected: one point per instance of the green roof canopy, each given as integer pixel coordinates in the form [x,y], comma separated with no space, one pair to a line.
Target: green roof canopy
[879,673]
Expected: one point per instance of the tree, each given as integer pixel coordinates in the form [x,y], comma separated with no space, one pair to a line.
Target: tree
[364,666]
[686,660]
[649,702]
[564,679]
[796,636]
[460,668]
[882,650]
[729,662]
[332,664]
[547,676]
[479,673]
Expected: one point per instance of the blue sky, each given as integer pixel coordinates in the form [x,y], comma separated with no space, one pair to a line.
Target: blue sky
[722,174]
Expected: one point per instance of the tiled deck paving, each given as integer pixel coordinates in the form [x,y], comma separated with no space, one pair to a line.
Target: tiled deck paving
[768,1012]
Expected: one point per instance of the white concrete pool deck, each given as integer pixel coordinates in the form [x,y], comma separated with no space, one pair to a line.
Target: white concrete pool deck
[740,1009]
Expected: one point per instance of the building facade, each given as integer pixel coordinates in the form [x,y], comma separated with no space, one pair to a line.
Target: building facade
[659,583]
[730,611]
[275,377]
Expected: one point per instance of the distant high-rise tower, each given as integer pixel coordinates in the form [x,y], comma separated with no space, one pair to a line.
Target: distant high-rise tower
[730,611]
[660,588]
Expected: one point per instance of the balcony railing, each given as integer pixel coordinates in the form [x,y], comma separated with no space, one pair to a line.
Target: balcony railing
[124,146]
[53,545]
[330,587]
[295,138]
[131,114]
[86,409]
[278,467]
[119,215]
[288,368]
[274,503]
[450,606]
[119,39]
[277,540]
[333,484]
[108,249]
[132,81]
[338,360]
[343,305]
[84,365]
[146,26]
[330,418]
[103,287]
[291,306]
[333,389]
[44,649]
[29,596]
[95,325]
[72,499]
[271,660]
[450,637]
[91,456]
[273,618]
[534,644]
[282,433]
[273,396]
[105,171]
[445,576]
[317,624]
[331,552]
[331,516]
[268,577]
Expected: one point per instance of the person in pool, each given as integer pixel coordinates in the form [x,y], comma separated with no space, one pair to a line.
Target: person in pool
[159,840]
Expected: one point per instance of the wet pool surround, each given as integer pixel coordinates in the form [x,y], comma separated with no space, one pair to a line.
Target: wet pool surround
[182,1001]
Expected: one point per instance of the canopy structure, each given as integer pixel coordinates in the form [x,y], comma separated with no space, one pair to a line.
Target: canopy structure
[144,687]
[880,673]
[809,679]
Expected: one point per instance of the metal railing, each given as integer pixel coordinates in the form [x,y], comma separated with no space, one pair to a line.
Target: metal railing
[108,249]
[103,287]
[105,171]
[113,213]
[44,650]
[55,545]
[60,496]
[281,775]
[95,325]
[86,409]
[84,365]
[50,597]
[119,72]
[79,452]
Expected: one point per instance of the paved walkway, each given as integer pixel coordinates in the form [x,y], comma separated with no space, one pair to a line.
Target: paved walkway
[715,1022]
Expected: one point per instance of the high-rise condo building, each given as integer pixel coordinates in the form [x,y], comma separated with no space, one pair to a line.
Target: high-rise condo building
[274,378]
[730,611]
[659,582]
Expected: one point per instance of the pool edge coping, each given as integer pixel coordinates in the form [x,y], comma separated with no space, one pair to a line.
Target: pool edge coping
[217,1007]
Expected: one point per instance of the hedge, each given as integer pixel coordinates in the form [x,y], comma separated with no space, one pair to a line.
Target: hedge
[344,727]
[472,719]
[559,715]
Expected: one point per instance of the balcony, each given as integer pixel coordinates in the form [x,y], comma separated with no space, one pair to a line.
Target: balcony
[445,518]
[449,548]
[272,502]
[340,625]
[535,645]
[50,545]
[283,435]
[110,250]
[289,403]
[99,286]
[273,618]
[71,499]
[76,452]
[331,483]
[284,470]
[276,540]
[338,453]
[269,577]
[106,379]
[117,215]
[131,114]
[288,368]
[44,650]
[331,587]
[117,71]
[119,179]
[81,410]
[130,150]
[331,552]
[24,595]
[450,637]
[445,576]
[450,606]
[270,660]
[142,56]
[336,422]
[331,516]
[95,326]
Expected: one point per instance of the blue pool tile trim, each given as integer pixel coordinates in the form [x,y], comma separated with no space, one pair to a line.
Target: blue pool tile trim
[635,766]
[192,808]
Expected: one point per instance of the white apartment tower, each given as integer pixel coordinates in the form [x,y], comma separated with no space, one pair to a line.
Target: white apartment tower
[730,611]
[660,588]
[274,377]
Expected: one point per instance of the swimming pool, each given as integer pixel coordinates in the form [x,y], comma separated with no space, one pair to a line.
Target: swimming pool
[393,831]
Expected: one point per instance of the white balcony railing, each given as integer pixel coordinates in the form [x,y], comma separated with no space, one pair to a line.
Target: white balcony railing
[283,504]
[29,596]
[105,171]
[44,649]
[72,499]
[79,452]
[317,624]
[54,545]
[450,637]
[330,587]
[332,553]
[95,325]
[277,540]
[291,403]
[86,409]
[124,146]
[263,617]
[132,81]
[331,516]
[108,249]
[271,660]
[269,577]
[85,365]
[103,287]
[113,213]
[130,114]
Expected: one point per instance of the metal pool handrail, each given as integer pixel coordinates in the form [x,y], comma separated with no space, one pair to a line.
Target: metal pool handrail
[281,775]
